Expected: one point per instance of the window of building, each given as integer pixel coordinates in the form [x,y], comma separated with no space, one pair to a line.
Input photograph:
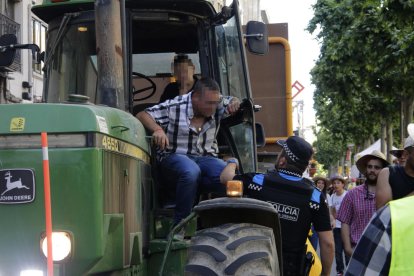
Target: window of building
[39,38]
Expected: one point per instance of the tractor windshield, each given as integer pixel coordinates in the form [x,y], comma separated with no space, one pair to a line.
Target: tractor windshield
[233,80]
[73,65]
[230,56]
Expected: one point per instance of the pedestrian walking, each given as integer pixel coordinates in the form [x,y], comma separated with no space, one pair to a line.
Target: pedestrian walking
[337,197]
[358,205]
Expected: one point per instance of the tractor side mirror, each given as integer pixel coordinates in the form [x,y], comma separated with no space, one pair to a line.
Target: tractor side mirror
[7,54]
[8,48]
[257,38]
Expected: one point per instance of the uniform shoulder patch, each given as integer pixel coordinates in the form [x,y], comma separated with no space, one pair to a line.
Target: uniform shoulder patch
[316,195]
[315,201]
[258,179]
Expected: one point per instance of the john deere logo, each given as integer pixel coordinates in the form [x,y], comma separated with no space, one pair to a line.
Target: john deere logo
[16,186]
[17,124]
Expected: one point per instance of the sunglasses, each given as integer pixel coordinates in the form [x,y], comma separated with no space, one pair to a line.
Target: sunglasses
[374,167]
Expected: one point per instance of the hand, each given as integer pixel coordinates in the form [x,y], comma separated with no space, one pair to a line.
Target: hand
[160,139]
[333,222]
[233,106]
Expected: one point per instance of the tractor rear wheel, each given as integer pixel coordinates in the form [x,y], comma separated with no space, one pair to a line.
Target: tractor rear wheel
[233,249]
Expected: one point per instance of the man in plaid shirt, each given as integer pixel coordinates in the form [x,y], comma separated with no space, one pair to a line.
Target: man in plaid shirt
[184,130]
[386,246]
[358,205]
[372,255]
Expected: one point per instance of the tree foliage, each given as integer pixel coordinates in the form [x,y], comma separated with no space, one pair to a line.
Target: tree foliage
[365,68]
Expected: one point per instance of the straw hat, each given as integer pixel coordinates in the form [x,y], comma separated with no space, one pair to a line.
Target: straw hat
[338,177]
[319,177]
[361,163]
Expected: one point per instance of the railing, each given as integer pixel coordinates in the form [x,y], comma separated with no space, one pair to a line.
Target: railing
[9,26]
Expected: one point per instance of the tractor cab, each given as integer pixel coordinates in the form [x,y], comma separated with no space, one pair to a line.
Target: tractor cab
[104,61]
[152,33]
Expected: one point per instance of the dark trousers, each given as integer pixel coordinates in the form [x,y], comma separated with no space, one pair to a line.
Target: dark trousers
[339,251]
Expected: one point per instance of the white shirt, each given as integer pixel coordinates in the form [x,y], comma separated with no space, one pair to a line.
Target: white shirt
[335,202]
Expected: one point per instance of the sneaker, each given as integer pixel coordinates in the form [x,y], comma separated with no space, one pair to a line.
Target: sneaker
[339,273]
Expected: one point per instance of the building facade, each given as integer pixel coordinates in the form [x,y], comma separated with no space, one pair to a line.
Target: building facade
[23,81]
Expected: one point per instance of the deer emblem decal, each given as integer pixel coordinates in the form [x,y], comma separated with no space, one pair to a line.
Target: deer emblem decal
[13,185]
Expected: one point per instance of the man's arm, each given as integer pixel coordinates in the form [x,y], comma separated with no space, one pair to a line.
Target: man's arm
[326,243]
[332,216]
[346,238]
[228,173]
[383,193]
[159,137]
[345,216]
[333,211]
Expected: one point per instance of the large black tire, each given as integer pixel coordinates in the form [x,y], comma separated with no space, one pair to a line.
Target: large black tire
[233,249]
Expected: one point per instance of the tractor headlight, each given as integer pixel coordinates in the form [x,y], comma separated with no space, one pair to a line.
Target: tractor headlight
[234,188]
[31,272]
[61,245]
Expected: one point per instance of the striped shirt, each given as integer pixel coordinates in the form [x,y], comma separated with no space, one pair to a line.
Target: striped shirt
[356,210]
[174,117]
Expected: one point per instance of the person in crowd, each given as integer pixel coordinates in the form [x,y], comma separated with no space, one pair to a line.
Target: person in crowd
[400,154]
[184,70]
[184,130]
[358,205]
[396,182]
[386,246]
[297,201]
[322,183]
[339,184]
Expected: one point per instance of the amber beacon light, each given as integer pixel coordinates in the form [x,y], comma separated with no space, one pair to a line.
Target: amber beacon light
[234,188]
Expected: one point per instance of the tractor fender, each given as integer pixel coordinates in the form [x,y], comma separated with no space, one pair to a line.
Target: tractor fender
[219,211]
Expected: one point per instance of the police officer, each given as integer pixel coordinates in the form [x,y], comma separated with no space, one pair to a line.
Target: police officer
[297,201]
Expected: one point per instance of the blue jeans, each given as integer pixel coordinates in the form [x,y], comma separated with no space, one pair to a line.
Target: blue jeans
[339,251]
[188,173]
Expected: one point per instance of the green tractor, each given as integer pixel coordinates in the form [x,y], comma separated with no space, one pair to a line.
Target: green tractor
[105,61]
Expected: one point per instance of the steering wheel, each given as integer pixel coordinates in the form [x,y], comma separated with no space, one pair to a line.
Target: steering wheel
[152,87]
